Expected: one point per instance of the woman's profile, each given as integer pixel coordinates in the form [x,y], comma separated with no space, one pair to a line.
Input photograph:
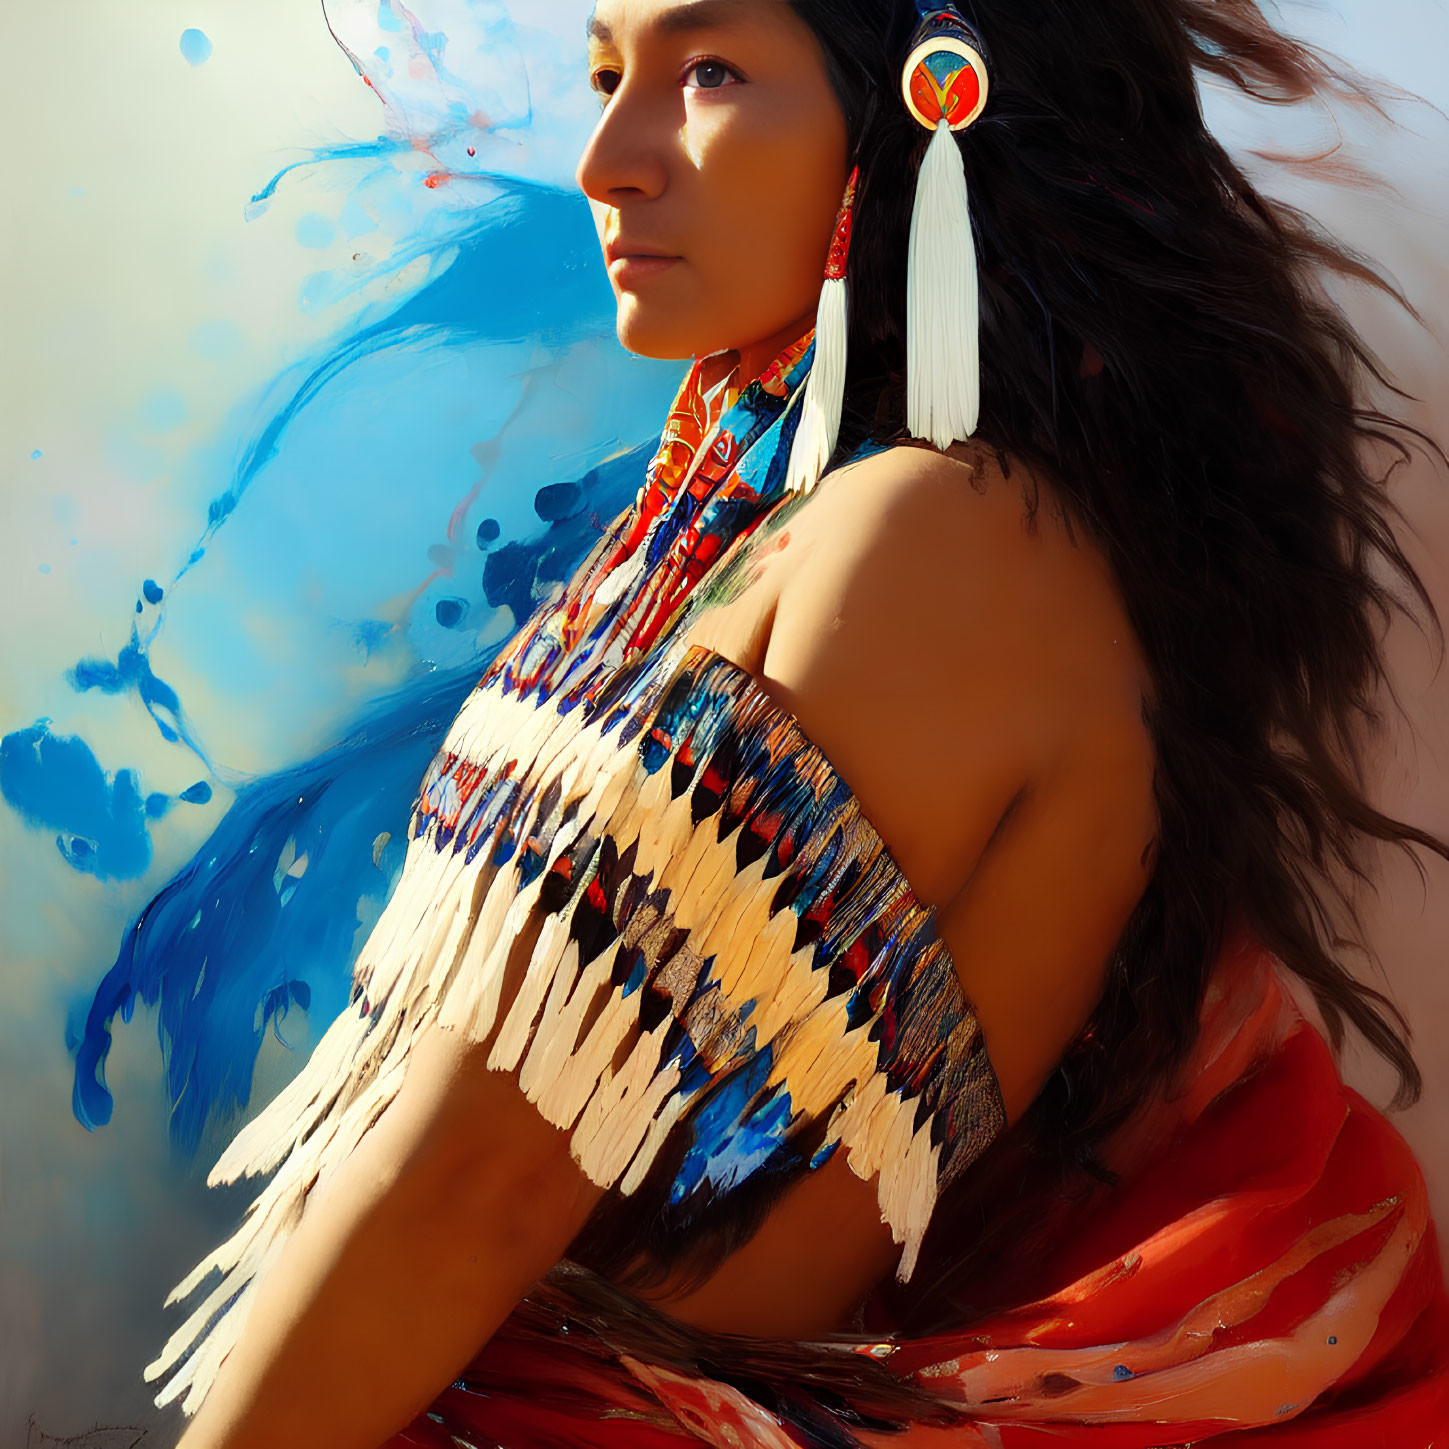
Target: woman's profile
[838,989]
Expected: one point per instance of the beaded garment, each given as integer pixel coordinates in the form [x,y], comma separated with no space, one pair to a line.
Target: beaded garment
[716,971]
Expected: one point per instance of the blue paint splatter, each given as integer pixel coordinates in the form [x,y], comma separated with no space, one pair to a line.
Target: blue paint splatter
[195,46]
[488,532]
[215,948]
[131,672]
[1122,1372]
[558,501]
[54,782]
[198,794]
[152,592]
[36,454]
[449,612]
[42,568]
[370,634]
[224,949]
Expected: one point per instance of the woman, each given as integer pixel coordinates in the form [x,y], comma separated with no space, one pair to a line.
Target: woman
[965,809]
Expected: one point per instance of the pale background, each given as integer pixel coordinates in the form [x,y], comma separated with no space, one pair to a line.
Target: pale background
[156,316]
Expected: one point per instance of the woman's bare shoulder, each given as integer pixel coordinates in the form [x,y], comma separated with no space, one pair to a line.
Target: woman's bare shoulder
[933,569]
[972,673]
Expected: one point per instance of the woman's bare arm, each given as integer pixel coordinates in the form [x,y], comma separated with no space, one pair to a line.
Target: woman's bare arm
[405,1262]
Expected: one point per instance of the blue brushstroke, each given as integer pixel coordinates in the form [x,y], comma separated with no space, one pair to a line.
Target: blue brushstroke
[540,237]
[350,151]
[195,46]
[223,947]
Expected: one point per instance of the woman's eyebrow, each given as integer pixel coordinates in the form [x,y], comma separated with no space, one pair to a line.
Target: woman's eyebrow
[694,15]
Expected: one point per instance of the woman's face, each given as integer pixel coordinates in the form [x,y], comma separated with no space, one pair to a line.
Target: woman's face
[715,172]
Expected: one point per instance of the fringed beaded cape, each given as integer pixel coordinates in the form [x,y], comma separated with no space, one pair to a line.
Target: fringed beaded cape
[728,973]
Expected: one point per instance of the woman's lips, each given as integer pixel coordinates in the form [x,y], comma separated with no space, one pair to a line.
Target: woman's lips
[627,270]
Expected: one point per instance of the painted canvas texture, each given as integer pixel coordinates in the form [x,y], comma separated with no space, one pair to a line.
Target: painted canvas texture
[315,397]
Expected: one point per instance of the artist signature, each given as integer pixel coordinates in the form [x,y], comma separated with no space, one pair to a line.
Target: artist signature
[102,1436]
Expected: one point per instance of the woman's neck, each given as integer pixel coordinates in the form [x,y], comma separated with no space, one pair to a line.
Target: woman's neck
[748,362]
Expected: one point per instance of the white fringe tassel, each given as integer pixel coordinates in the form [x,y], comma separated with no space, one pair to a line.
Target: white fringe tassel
[819,428]
[943,369]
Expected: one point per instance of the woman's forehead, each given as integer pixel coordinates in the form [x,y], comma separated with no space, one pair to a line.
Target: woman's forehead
[613,20]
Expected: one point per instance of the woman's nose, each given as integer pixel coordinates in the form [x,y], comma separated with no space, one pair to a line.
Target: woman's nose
[625,156]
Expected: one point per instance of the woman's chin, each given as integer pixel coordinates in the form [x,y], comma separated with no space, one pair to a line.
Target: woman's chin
[654,337]
[670,324]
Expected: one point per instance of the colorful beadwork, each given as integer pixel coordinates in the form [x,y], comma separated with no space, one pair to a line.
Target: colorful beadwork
[839,253]
[945,73]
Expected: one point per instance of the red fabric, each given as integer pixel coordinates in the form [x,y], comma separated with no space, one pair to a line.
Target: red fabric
[1264,1273]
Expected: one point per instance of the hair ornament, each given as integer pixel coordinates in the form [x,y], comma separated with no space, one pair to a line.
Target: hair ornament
[824,392]
[944,83]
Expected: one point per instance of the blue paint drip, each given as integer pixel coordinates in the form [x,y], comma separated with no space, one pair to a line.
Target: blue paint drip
[196,47]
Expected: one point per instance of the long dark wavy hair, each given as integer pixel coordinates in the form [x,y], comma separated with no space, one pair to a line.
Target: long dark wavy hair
[1154,343]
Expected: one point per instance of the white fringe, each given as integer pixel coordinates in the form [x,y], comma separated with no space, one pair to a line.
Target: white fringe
[438,955]
[819,428]
[943,370]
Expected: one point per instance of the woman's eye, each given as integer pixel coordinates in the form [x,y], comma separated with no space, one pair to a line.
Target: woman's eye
[711,73]
[605,82]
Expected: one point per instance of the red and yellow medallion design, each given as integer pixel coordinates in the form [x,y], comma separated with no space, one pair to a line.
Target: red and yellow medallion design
[945,74]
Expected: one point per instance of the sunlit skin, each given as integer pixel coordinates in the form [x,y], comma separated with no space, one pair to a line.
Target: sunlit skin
[720,146]
[975,681]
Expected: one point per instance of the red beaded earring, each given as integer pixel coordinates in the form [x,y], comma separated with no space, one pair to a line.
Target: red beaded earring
[824,391]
